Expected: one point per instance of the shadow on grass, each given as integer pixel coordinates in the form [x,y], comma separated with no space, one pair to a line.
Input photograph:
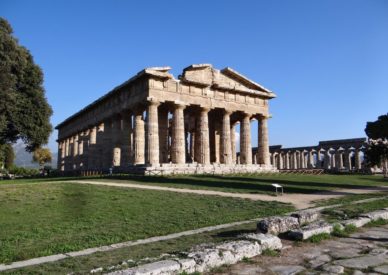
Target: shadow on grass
[248,184]
[244,184]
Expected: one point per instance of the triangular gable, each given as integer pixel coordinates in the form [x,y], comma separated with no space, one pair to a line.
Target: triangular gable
[228,79]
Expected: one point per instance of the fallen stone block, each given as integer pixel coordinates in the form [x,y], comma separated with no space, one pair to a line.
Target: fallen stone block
[187,265]
[359,222]
[375,215]
[241,249]
[276,225]
[206,259]
[307,216]
[310,230]
[267,241]
[157,268]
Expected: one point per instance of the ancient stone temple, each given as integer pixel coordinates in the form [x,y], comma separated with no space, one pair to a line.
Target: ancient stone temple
[157,124]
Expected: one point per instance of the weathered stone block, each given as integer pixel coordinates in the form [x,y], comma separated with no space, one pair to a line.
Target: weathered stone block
[276,225]
[359,222]
[206,259]
[242,249]
[307,216]
[157,268]
[310,230]
[267,241]
[375,215]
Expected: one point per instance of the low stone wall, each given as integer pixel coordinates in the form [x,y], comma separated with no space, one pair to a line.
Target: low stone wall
[195,168]
[202,259]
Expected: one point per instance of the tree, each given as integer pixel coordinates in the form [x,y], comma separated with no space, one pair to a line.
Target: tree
[24,111]
[9,156]
[42,156]
[377,132]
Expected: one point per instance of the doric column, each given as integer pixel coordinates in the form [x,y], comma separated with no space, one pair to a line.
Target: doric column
[93,135]
[333,160]
[139,144]
[126,139]
[245,140]
[280,161]
[348,160]
[202,138]
[301,160]
[287,161]
[273,159]
[178,154]
[327,160]
[60,153]
[295,160]
[310,160]
[163,134]
[233,143]
[357,160]
[339,160]
[226,150]
[81,144]
[318,160]
[192,146]
[75,145]
[152,133]
[263,144]
[67,145]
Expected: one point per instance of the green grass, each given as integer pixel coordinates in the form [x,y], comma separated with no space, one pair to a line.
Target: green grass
[349,211]
[351,198]
[378,222]
[270,253]
[345,232]
[319,238]
[50,218]
[259,183]
[83,264]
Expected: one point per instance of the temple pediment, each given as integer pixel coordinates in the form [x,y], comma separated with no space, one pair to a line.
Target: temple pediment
[226,79]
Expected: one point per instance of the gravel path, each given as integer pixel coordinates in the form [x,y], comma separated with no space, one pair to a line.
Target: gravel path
[300,201]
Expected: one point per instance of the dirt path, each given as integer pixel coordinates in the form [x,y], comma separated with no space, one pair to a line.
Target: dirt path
[300,201]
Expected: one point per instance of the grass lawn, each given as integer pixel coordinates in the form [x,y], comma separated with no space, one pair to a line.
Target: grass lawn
[303,184]
[349,211]
[39,219]
[83,264]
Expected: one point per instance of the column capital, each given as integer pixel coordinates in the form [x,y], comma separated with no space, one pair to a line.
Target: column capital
[180,104]
[228,112]
[153,101]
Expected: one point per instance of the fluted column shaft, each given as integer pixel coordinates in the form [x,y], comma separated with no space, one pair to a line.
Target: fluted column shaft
[163,135]
[202,150]
[357,160]
[287,162]
[233,143]
[280,161]
[327,160]
[263,144]
[152,134]
[245,140]
[178,154]
[348,161]
[226,150]
[139,144]
[318,162]
[75,146]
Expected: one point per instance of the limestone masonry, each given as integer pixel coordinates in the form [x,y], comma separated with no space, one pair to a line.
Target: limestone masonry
[156,124]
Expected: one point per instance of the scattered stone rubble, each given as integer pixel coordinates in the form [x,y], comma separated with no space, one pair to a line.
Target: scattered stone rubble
[300,226]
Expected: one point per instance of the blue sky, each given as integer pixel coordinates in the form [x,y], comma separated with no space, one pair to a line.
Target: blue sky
[326,60]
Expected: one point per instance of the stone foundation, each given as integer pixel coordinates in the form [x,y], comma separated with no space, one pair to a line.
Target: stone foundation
[195,168]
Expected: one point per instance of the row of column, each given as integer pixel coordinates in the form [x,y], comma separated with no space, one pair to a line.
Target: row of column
[151,141]
[332,159]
